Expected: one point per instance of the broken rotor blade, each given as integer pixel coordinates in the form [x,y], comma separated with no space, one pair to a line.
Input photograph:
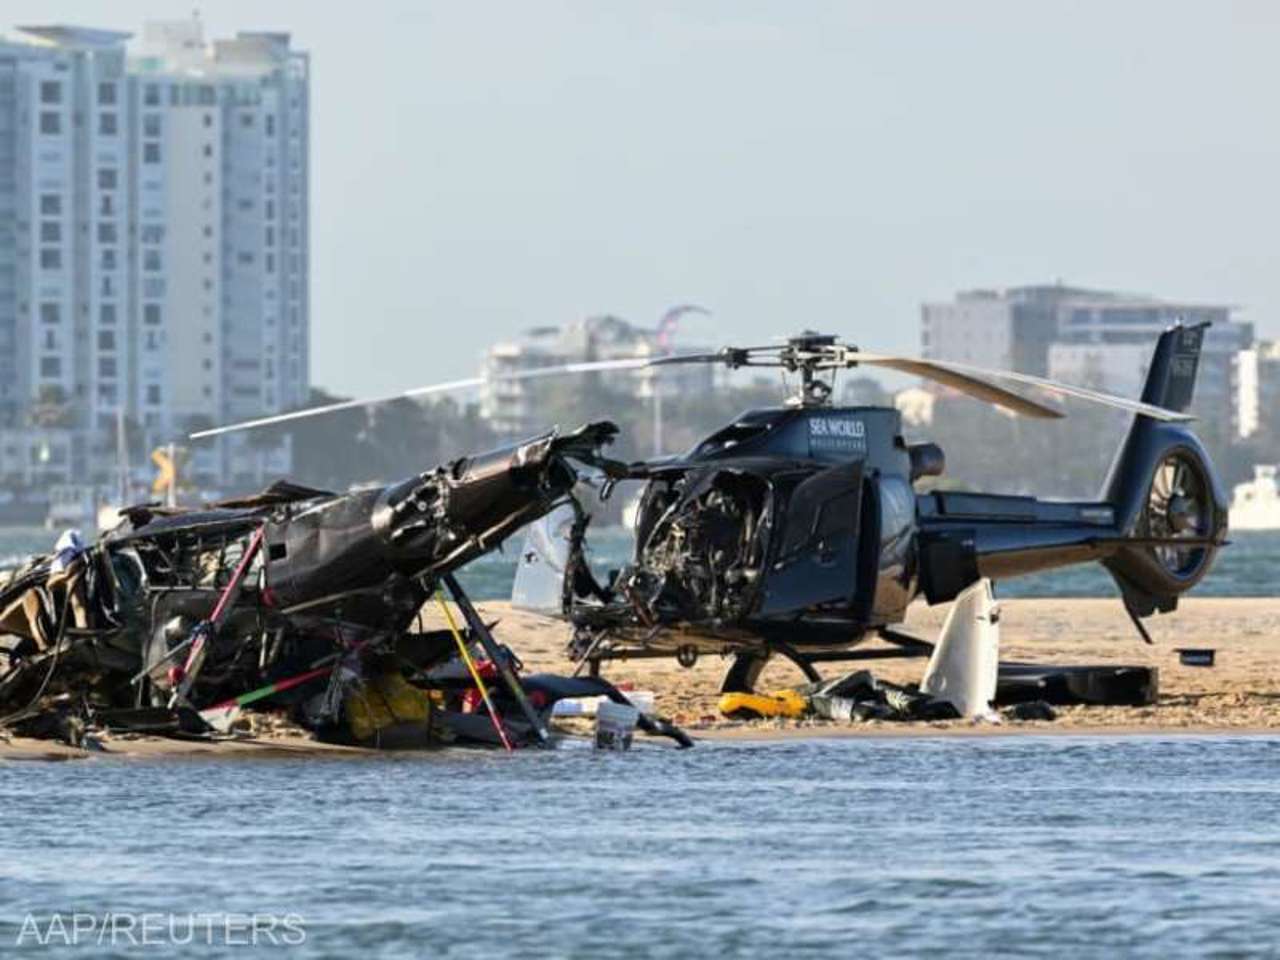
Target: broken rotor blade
[973,380]
[469,383]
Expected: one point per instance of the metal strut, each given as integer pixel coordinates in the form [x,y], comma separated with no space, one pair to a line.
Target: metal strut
[495,655]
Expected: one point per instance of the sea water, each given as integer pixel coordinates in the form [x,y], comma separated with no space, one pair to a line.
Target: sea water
[966,847]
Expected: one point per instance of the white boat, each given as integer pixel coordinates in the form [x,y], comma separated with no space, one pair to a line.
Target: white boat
[1256,503]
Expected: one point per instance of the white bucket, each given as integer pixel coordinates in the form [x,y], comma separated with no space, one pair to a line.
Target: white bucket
[615,725]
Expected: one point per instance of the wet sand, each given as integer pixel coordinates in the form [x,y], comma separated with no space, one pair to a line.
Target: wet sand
[1239,695]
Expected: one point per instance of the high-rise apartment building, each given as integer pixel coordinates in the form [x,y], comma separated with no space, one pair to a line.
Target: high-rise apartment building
[154,247]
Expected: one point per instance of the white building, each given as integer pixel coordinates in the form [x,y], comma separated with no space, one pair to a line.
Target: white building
[511,405]
[157,259]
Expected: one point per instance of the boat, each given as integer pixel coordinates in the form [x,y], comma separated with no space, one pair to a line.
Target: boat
[1256,503]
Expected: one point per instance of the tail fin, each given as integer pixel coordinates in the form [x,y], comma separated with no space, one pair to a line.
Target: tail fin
[1186,501]
[1171,379]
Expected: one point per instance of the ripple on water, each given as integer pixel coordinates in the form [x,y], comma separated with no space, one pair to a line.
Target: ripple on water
[1144,846]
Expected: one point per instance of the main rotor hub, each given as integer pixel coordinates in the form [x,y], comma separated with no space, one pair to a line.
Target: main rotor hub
[807,354]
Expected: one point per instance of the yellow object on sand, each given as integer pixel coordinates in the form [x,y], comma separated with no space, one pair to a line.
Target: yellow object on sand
[385,701]
[783,703]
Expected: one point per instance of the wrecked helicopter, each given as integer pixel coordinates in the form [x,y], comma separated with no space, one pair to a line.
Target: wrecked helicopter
[177,618]
[798,530]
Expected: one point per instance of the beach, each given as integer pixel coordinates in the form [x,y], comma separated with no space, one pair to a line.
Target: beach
[1239,694]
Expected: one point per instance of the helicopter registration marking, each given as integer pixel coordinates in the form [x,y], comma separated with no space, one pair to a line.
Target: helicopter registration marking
[842,434]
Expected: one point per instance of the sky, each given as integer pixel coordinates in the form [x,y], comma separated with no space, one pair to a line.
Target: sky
[483,167]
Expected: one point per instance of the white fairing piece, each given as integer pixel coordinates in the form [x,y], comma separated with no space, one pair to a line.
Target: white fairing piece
[966,660]
[539,582]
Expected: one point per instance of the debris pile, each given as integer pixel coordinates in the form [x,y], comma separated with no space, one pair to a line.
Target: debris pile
[179,621]
[860,697]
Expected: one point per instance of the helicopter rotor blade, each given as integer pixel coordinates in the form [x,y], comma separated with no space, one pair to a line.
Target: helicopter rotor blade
[450,386]
[963,383]
[964,377]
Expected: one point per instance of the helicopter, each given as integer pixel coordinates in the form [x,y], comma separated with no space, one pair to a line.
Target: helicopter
[287,597]
[797,530]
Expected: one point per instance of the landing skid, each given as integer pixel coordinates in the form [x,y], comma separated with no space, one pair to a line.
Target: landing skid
[745,670]
[747,665]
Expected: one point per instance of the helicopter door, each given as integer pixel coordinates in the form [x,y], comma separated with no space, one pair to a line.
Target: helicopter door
[817,554]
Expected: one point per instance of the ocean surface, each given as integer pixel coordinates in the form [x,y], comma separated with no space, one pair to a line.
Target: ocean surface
[1248,567]
[1040,846]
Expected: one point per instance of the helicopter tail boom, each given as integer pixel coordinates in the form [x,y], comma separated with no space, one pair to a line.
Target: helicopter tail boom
[1160,519]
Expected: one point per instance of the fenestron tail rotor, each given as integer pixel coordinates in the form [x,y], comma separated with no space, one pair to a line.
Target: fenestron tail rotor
[1179,508]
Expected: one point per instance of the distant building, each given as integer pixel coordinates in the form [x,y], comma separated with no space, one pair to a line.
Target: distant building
[511,406]
[1261,407]
[1093,338]
[153,253]
[1004,329]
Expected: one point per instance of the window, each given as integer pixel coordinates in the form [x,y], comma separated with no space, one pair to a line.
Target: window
[153,394]
[106,178]
[151,153]
[151,313]
[208,119]
[246,119]
[151,260]
[109,258]
[206,363]
[50,122]
[271,125]
[107,314]
[50,258]
[50,231]
[50,312]
[151,95]
[107,367]
[107,94]
[50,367]
[271,263]
[106,340]
[50,204]
[152,232]
[271,209]
[106,232]
[244,257]
[50,91]
[50,340]
[151,125]
[208,149]
[107,124]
